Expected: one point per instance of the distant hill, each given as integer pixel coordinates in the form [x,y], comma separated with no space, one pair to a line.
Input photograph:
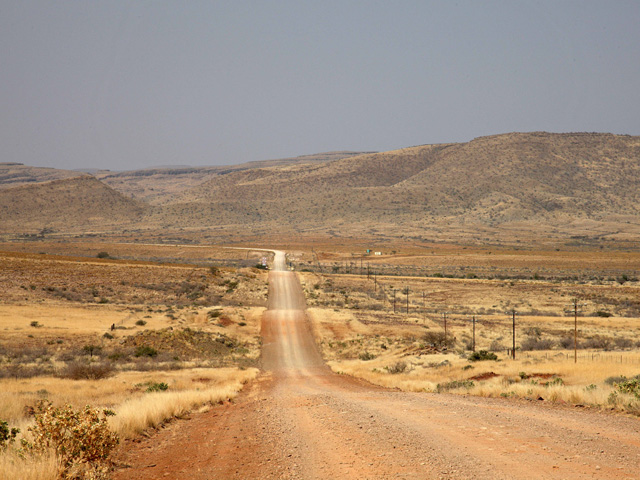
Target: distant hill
[156,185]
[511,187]
[14,174]
[73,204]
[491,179]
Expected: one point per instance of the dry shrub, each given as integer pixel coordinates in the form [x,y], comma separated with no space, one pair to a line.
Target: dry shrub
[16,371]
[397,367]
[438,340]
[84,371]
[81,439]
[536,343]
[598,342]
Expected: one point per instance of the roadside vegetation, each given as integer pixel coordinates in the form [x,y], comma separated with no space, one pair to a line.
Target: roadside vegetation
[140,343]
[361,335]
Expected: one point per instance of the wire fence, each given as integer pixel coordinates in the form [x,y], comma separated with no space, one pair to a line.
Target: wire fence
[613,357]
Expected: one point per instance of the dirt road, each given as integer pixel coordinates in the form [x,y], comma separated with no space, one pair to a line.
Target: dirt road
[300,421]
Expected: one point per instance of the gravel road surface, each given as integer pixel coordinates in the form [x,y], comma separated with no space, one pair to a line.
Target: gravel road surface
[300,421]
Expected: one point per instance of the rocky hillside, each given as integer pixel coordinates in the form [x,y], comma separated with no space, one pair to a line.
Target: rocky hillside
[490,180]
[578,185]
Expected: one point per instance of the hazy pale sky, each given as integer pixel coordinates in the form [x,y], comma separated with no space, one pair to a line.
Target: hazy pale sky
[130,84]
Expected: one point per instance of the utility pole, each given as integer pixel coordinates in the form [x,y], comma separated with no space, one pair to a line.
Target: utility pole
[575,305]
[406,291]
[444,318]
[424,308]
[394,300]
[513,350]
[473,345]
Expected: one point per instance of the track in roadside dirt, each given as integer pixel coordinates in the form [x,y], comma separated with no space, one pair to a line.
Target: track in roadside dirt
[301,421]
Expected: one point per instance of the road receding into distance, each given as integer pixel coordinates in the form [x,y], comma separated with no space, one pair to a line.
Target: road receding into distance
[301,421]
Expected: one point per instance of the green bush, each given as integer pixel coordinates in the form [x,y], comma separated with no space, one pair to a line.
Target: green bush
[482,355]
[555,381]
[141,323]
[145,351]
[7,435]
[157,387]
[103,255]
[630,387]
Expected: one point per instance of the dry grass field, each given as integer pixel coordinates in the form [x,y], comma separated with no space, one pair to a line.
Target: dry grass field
[152,331]
[149,340]
[360,334]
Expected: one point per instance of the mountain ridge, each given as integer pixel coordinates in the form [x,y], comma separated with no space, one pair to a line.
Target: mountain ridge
[539,182]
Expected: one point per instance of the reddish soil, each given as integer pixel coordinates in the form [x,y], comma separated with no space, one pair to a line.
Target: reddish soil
[300,421]
[484,376]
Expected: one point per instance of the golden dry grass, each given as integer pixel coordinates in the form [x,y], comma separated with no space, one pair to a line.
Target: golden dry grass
[137,414]
[346,336]
[16,467]
[136,409]
[35,288]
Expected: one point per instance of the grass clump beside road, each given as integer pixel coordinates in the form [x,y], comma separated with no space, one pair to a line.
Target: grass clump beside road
[135,401]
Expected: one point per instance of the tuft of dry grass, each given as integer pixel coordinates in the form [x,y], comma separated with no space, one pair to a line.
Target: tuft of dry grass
[17,467]
[134,415]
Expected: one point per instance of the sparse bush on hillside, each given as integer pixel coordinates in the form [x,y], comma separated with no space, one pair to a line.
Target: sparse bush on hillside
[438,340]
[103,255]
[567,342]
[496,346]
[145,351]
[536,343]
[482,355]
[84,371]
[365,356]
[598,342]
[91,349]
[397,367]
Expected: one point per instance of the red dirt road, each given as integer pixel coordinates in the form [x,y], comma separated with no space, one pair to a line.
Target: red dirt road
[300,421]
